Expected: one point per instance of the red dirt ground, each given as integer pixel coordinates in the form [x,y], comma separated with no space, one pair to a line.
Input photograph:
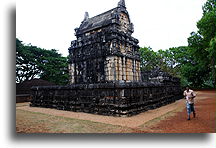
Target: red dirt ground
[204,122]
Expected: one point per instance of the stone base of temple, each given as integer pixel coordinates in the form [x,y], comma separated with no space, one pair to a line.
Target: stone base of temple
[112,99]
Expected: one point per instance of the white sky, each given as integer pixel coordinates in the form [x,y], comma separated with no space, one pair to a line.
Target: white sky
[160,24]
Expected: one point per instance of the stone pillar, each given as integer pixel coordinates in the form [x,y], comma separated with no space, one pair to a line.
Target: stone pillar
[134,70]
[71,73]
[138,72]
[114,68]
[126,69]
[110,68]
[84,71]
[123,69]
[129,72]
[119,68]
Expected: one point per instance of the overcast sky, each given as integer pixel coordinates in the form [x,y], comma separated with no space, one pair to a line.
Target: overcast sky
[160,24]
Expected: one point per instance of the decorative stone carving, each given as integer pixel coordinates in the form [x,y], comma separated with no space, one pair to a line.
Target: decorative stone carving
[86,17]
[105,76]
[103,42]
[121,3]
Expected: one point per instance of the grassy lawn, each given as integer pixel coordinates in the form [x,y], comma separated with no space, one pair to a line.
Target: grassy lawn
[32,122]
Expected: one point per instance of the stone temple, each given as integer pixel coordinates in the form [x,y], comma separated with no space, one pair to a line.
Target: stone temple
[105,76]
[104,50]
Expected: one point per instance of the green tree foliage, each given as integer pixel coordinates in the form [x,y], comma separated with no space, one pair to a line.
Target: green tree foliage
[209,6]
[195,63]
[148,58]
[211,56]
[26,66]
[203,46]
[169,60]
[32,62]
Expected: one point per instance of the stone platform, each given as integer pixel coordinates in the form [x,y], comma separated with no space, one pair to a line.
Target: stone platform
[115,99]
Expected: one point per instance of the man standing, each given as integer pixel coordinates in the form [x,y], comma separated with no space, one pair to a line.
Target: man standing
[189,96]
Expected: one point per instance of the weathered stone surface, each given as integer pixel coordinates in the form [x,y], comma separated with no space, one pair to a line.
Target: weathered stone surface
[116,99]
[105,76]
[104,50]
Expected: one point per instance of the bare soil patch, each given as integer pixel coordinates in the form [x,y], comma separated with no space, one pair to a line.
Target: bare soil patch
[204,122]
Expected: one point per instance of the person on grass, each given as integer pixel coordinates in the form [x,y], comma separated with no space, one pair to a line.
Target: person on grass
[189,96]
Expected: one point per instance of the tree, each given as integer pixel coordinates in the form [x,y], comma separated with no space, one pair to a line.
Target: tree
[212,53]
[149,58]
[26,66]
[32,62]
[163,59]
[54,69]
[195,63]
[167,61]
[209,6]
[202,46]
[173,58]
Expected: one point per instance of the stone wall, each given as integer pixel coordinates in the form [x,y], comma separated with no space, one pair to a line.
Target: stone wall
[122,69]
[116,99]
[105,50]
[23,98]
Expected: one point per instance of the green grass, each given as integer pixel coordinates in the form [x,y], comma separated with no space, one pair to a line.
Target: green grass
[33,122]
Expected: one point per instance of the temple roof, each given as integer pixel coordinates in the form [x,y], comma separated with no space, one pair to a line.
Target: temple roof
[100,20]
[95,22]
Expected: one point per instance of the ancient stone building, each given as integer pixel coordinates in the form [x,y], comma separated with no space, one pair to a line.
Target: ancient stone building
[105,72]
[104,50]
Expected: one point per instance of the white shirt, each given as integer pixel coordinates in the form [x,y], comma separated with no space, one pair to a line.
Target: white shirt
[189,96]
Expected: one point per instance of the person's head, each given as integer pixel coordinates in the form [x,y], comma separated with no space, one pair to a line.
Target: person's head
[187,88]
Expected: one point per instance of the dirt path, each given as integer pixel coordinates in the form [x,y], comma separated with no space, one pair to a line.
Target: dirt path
[169,118]
[132,122]
[204,122]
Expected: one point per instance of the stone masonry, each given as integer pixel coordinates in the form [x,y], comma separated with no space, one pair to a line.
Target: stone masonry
[105,76]
[104,50]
